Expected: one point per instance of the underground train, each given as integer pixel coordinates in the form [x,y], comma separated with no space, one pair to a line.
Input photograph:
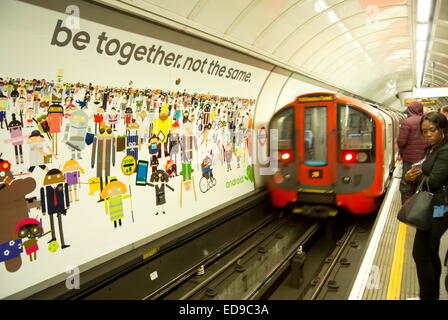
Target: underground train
[334,152]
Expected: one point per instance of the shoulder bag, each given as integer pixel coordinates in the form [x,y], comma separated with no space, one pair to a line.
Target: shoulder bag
[417,210]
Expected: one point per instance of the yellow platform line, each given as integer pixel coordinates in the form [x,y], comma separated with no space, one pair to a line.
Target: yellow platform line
[396,274]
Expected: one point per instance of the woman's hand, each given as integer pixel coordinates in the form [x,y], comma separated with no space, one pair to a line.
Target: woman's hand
[412,174]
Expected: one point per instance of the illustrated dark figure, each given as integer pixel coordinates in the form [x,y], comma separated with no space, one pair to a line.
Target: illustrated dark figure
[17,138]
[159,180]
[55,201]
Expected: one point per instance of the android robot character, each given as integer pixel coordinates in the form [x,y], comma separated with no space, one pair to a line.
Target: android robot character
[75,133]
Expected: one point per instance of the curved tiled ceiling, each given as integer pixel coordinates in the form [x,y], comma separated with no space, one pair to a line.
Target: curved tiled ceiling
[357,45]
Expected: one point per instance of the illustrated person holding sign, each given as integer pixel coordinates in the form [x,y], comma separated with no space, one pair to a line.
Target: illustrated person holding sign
[128,167]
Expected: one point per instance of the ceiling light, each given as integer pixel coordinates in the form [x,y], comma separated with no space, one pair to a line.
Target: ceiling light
[348,36]
[421,46]
[422,31]
[332,16]
[320,6]
[420,56]
[423,10]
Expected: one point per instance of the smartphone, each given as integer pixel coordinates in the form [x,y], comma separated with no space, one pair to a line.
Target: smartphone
[418,164]
[142,173]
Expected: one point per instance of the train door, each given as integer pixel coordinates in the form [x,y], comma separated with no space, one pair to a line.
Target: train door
[316,142]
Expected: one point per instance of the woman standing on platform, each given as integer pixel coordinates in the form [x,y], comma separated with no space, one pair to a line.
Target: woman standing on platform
[434,128]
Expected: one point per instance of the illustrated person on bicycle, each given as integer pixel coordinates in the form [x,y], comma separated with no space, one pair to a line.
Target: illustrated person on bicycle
[207,181]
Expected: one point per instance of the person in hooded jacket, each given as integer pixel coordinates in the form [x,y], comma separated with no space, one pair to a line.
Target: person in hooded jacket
[411,144]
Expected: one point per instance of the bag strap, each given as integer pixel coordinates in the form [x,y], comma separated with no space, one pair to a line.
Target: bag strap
[420,186]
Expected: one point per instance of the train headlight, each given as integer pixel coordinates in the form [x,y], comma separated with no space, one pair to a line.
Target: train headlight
[346,179]
[361,157]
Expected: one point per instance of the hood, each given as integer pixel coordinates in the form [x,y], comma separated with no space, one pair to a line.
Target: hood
[415,108]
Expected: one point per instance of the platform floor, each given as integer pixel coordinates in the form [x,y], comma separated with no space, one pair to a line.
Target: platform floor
[388,271]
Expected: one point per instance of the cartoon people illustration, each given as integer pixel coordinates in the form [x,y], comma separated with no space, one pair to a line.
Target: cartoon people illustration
[17,138]
[162,127]
[112,118]
[154,146]
[15,207]
[159,180]
[174,139]
[29,114]
[54,197]
[103,153]
[113,195]
[54,117]
[29,230]
[75,132]
[228,152]
[128,115]
[187,180]
[133,139]
[72,174]
[38,157]
[207,181]
[98,118]
[4,106]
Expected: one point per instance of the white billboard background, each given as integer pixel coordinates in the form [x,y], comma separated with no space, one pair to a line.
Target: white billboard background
[26,32]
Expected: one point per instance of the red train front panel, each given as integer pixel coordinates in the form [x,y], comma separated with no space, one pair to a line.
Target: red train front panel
[327,154]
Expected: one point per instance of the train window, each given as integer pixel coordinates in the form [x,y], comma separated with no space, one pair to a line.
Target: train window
[283,121]
[315,136]
[356,129]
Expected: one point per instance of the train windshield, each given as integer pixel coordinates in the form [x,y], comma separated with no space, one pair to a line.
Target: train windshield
[356,129]
[283,122]
[315,136]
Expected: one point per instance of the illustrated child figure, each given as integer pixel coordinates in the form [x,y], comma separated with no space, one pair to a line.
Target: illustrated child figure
[154,146]
[159,180]
[14,207]
[113,195]
[30,228]
[228,152]
[29,114]
[174,144]
[55,116]
[17,138]
[128,116]
[112,118]
[98,118]
[187,180]
[72,173]
[37,145]
[55,201]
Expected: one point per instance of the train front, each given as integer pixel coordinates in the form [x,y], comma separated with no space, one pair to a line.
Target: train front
[327,156]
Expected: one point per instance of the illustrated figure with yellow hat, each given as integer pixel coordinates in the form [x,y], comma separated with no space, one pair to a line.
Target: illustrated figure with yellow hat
[113,195]
[161,127]
[72,173]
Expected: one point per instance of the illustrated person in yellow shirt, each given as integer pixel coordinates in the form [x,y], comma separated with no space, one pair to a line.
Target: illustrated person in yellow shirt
[161,128]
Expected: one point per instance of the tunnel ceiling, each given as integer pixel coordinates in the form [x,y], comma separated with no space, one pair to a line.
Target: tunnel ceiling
[366,47]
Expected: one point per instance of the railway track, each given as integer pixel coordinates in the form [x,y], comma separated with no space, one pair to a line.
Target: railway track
[248,270]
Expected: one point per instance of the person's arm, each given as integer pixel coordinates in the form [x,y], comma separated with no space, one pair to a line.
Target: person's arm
[403,136]
[439,173]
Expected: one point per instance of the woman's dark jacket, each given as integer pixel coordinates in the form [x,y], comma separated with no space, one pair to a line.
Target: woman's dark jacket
[436,168]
